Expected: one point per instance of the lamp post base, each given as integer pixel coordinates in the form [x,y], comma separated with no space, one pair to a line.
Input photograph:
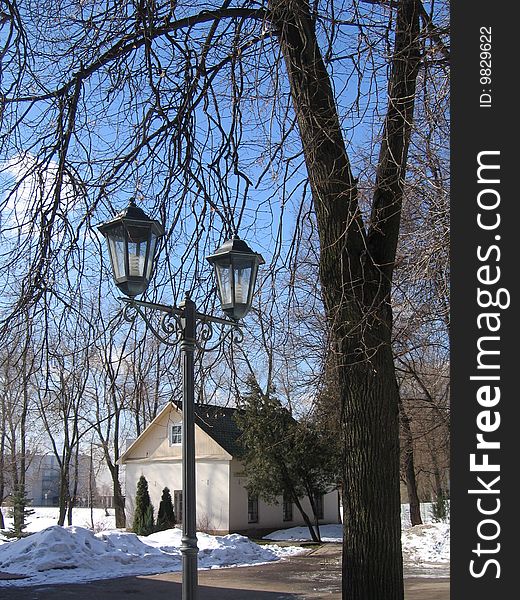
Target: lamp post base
[189,551]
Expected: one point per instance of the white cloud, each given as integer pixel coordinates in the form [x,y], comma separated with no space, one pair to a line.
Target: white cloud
[27,192]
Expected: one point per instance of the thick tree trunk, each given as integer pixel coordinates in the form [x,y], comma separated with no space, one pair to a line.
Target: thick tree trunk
[356,267]
[119,506]
[372,560]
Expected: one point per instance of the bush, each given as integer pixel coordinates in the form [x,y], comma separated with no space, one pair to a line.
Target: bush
[143,514]
[166,514]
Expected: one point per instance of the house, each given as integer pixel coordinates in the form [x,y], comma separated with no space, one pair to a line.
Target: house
[223,502]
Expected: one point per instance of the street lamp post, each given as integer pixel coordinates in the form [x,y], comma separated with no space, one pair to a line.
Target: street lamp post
[189,547]
[132,241]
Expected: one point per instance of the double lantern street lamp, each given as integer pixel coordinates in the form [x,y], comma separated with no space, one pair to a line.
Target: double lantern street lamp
[132,242]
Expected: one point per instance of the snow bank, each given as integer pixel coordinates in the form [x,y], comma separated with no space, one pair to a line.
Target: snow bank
[422,543]
[329,533]
[54,555]
[217,551]
[427,543]
[50,556]
[75,554]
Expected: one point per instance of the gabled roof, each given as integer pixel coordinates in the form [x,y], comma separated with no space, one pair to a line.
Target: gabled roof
[215,421]
[219,423]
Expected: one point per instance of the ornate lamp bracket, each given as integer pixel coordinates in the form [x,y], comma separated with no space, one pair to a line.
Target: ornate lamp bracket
[211,334]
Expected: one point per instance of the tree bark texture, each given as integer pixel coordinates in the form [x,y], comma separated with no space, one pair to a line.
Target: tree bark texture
[356,265]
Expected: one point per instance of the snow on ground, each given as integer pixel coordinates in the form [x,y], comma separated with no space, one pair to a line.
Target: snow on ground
[53,554]
[43,517]
[428,543]
[329,533]
[422,543]
[93,548]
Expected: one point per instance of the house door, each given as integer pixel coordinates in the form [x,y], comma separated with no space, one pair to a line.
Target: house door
[177,505]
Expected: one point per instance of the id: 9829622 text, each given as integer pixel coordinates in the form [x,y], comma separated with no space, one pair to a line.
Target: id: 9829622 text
[485,72]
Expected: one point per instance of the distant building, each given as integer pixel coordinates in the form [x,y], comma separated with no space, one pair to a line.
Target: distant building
[42,480]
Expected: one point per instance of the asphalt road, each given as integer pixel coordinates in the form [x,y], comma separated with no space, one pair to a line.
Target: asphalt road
[306,577]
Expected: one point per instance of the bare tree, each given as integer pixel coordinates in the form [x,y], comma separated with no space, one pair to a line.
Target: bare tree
[17,379]
[192,109]
[421,291]
[149,386]
[62,411]
[108,417]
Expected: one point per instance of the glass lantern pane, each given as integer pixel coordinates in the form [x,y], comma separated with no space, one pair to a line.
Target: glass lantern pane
[242,275]
[224,283]
[136,258]
[116,247]
[153,242]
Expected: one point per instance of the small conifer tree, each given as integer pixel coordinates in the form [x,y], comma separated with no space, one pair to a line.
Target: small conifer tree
[441,508]
[143,514]
[19,513]
[166,514]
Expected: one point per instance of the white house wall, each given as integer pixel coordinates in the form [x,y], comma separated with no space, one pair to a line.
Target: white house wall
[152,455]
[211,489]
[270,516]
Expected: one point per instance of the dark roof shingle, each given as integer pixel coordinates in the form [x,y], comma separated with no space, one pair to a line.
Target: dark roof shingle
[219,423]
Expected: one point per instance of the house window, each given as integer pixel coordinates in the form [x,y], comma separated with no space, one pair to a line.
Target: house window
[177,505]
[252,508]
[287,508]
[318,501]
[175,434]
